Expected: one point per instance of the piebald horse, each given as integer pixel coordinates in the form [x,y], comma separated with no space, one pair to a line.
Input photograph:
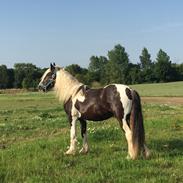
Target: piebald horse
[83,103]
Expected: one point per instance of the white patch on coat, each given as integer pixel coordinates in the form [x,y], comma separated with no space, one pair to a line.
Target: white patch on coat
[80,97]
[73,139]
[126,103]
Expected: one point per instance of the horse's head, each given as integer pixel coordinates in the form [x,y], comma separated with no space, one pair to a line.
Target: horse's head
[48,79]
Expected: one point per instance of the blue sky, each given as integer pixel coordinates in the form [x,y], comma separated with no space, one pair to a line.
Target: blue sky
[71,31]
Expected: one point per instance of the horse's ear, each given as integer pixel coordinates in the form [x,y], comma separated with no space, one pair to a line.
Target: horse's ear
[52,66]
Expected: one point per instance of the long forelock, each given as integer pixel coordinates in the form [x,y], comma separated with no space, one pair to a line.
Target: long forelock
[66,85]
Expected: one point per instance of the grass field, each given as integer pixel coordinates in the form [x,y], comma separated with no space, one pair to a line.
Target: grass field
[160,89]
[34,134]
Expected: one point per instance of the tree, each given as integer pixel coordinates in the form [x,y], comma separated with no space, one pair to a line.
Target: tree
[27,75]
[147,67]
[117,67]
[97,68]
[74,69]
[163,67]
[79,72]
[134,74]
[180,71]
[11,78]
[177,71]
[3,76]
[145,59]
[20,71]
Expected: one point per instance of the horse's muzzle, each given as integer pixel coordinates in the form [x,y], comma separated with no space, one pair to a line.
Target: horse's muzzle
[41,87]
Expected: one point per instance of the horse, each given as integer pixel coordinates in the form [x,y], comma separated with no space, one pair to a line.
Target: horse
[83,103]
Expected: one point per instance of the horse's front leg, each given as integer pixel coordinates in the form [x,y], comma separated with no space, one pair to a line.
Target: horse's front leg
[85,147]
[73,140]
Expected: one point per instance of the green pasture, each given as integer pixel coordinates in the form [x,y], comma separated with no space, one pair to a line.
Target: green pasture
[160,89]
[34,134]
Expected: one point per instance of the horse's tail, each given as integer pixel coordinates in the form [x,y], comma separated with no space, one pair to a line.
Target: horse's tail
[136,125]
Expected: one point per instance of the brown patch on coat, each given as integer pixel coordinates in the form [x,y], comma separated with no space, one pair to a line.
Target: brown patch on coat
[128,93]
[68,109]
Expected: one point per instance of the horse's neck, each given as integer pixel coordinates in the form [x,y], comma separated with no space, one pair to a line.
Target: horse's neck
[66,85]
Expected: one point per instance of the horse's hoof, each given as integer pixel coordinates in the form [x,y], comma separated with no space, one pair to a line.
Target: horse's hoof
[70,152]
[83,151]
[128,157]
[147,154]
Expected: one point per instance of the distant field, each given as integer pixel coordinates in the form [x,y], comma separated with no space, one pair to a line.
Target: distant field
[160,89]
[147,90]
[34,134]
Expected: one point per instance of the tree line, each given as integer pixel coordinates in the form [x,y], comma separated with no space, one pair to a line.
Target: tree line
[113,68]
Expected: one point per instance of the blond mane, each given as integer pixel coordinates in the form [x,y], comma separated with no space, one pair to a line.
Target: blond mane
[66,85]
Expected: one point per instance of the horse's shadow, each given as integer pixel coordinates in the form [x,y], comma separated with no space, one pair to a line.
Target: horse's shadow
[169,147]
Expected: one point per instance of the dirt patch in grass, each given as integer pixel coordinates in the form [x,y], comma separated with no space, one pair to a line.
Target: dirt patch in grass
[163,100]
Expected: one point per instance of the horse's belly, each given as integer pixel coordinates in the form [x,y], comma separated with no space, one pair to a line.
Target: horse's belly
[95,113]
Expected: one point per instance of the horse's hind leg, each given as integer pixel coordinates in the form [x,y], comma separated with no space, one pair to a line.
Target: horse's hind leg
[128,134]
[85,147]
